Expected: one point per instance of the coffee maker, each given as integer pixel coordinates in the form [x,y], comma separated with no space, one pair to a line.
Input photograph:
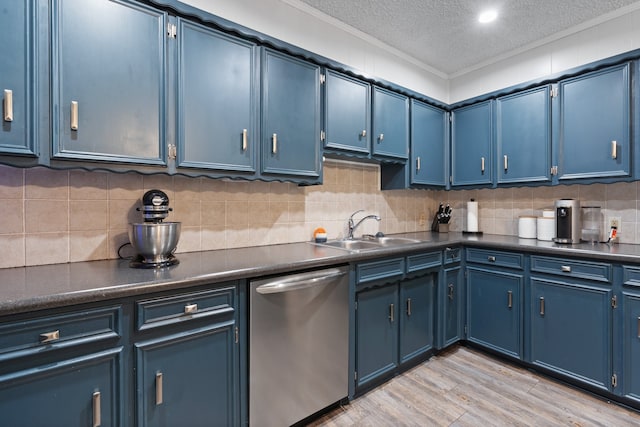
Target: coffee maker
[568,224]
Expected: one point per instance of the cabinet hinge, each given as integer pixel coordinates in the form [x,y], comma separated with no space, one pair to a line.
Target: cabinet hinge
[323,78]
[554,170]
[237,335]
[172,152]
[172,31]
[450,118]
[355,375]
[356,305]
[450,179]
[466,274]
[323,136]
[554,92]
[614,380]
[614,302]
[465,329]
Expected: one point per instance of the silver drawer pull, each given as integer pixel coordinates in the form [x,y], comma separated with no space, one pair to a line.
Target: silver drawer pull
[190,308]
[614,149]
[510,299]
[566,269]
[506,162]
[50,336]
[244,140]
[159,390]
[418,164]
[541,306]
[97,418]
[363,133]
[381,137]
[491,259]
[274,143]
[638,327]
[74,115]
[482,164]
[8,105]
[391,310]
[408,306]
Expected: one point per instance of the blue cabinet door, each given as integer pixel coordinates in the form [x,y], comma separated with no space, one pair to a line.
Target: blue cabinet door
[109,81]
[471,142]
[428,141]
[523,135]
[376,333]
[571,330]
[347,112]
[188,378]
[594,130]
[451,307]
[494,310]
[218,100]
[416,316]
[17,65]
[82,391]
[631,346]
[290,116]
[390,124]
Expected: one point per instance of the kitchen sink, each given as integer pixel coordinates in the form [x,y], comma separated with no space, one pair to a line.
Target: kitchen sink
[395,241]
[357,245]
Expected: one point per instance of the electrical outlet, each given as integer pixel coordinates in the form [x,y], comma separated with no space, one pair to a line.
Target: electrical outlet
[614,221]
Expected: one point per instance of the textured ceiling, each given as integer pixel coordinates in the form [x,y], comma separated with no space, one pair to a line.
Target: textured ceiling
[446,36]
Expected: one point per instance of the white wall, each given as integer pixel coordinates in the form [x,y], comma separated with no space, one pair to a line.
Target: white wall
[301,26]
[606,39]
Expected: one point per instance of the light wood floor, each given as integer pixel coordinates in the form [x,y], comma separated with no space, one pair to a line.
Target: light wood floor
[464,387]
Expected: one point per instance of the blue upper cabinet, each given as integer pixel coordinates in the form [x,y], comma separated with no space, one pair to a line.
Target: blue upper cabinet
[347,112]
[523,135]
[218,100]
[108,81]
[428,141]
[290,117]
[390,124]
[593,124]
[17,66]
[471,142]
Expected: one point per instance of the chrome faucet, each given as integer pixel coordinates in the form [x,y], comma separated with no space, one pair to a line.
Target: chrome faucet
[353,226]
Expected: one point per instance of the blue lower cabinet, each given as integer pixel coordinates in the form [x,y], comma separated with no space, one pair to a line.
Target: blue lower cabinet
[450,304]
[82,391]
[416,316]
[494,310]
[571,330]
[188,378]
[631,346]
[376,333]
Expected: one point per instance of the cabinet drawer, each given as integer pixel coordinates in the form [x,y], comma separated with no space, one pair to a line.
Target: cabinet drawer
[451,255]
[597,271]
[497,258]
[383,269]
[423,261]
[30,337]
[631,276]
[163,311]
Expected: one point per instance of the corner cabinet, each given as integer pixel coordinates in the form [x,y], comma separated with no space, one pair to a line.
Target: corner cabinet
[428,140]
[390,124]
[347,113]
[523,136]
[218,100]
[593,124]
[290,117]
[471,144]
[18,68]
[109,85]
[451,298]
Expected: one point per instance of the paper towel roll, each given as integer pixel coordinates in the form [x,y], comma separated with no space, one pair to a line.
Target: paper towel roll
[546,228]
[472,216]
[527,227]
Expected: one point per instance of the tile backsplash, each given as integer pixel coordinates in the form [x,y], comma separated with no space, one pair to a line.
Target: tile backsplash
[50,216]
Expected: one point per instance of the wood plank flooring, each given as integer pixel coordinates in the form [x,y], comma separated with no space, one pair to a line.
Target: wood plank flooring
[464,387]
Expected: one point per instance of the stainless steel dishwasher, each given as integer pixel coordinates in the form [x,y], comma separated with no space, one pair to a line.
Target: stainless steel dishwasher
[298,345]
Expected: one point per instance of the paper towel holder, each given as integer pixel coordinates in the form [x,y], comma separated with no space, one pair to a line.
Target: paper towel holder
[467,232]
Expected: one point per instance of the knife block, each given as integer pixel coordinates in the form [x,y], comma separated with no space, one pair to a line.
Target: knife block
[443,228]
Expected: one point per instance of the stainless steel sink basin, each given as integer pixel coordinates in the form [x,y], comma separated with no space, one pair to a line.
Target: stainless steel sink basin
[395,241]
[357,245]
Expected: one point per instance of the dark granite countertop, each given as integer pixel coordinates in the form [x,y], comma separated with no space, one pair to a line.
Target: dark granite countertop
[48,286]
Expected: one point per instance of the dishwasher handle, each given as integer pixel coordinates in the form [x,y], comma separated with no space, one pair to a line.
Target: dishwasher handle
[300,281]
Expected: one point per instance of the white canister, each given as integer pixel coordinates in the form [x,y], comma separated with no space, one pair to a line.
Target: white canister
[527,227]
[548,213]
[546,228]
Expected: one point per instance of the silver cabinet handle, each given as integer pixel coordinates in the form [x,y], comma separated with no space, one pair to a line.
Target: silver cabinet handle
[638,327]
[510,299]
[381,137]
[391,309]
[8,105]
[418,164]
[451,291]
[541,306]
[74,115]
[363,133]
[566,269]
[244,140]
[50,336]
[506,162]
[274,143]
[614,149]
[190,308]
[491,258]
[300,281]
[408,306]
[97,418]
[482,164]
[159,390]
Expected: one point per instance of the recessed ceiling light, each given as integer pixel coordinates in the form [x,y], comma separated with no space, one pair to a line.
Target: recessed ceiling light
[487,16]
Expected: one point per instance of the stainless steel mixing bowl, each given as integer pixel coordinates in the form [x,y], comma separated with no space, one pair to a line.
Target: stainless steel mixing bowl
[155,242]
